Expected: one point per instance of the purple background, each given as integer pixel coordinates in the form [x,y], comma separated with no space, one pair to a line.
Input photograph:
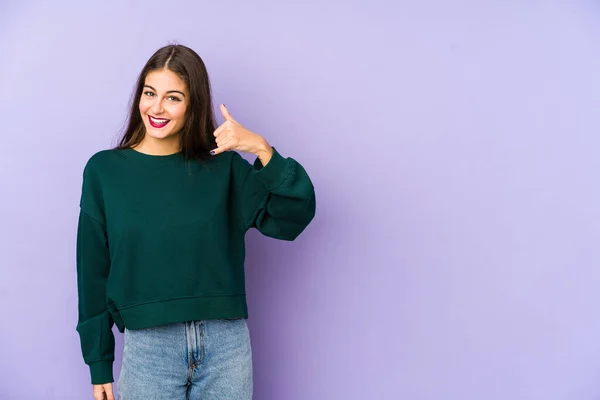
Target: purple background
[454,149]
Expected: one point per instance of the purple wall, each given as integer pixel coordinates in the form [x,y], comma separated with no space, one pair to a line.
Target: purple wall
[454,149]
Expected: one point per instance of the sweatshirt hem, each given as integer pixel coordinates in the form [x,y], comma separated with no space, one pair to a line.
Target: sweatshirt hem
[181,309]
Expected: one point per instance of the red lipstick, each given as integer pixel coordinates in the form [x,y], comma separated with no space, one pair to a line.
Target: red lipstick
[157,125]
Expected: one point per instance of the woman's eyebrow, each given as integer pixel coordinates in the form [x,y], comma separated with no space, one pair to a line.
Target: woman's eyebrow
[170,91]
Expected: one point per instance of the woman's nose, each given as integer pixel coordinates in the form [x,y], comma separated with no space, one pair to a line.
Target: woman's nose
[157,107]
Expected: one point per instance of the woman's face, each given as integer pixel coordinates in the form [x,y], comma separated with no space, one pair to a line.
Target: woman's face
[163,104]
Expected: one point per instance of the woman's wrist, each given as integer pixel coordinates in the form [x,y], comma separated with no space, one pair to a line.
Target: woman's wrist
[264,152]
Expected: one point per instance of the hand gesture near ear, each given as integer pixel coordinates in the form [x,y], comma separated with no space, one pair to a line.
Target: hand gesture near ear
[232,135]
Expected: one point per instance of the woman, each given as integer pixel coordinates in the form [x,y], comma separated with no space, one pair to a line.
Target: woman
[160,239]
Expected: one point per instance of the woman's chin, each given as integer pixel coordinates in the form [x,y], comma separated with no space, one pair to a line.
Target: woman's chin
[158,133]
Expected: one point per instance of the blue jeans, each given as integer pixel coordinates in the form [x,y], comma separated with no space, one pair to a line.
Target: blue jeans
[209,359]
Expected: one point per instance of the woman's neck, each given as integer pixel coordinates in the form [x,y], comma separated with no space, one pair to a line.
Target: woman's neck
[159,147]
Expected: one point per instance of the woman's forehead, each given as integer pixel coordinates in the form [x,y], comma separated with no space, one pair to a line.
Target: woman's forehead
[165,80]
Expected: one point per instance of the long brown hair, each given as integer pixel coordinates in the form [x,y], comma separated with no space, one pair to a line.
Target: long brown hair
[197,133]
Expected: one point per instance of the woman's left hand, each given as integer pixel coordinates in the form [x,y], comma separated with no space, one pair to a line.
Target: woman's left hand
[232,135]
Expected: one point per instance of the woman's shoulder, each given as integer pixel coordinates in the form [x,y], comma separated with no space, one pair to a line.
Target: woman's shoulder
[103,159]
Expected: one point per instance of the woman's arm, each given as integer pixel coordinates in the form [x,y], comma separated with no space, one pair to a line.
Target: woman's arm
[275,194]
[93,264]
[277,198]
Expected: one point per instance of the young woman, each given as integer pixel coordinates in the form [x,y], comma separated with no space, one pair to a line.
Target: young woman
[160,239]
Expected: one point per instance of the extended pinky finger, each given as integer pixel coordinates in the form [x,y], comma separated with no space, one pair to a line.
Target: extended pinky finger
[219,149]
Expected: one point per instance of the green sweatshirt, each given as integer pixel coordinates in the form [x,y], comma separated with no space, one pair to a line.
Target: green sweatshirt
[160,239]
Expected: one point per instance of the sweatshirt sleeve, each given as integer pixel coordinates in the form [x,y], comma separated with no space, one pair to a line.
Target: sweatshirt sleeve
[93,264]
[277,199]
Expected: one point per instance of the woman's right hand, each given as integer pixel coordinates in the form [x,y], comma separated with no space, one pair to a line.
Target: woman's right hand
[103,392]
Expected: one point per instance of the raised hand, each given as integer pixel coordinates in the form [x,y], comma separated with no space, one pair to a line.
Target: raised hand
[231,135]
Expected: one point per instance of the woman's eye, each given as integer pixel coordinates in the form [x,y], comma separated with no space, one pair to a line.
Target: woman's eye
[173,98]
[149,94]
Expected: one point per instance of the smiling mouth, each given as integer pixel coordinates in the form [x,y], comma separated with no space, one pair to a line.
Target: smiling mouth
[158,122]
